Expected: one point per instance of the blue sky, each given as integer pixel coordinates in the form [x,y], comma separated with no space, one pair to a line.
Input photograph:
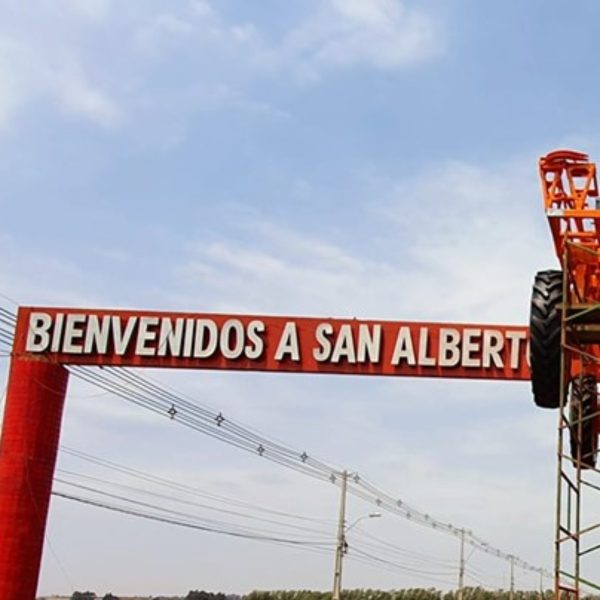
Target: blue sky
[369,158]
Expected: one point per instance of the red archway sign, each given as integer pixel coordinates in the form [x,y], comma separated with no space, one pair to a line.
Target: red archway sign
[47,339]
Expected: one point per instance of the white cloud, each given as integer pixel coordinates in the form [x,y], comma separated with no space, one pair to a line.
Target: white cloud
[203,8]
[474,235]
[55,54]
[34,68]
[15,85]
[31,277]
[94,10]
[458,242]
[76,96]
[382,34]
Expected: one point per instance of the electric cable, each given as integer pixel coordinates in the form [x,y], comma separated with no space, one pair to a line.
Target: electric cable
[191,525]
[394,548]
[181,487]
[424,575]
[179,500]
[180,514]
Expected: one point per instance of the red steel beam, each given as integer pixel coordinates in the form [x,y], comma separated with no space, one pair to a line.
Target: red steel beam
[272,343]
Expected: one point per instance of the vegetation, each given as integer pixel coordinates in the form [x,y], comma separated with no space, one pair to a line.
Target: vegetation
[83,596]
[360,594]
[404,594]
[196,595]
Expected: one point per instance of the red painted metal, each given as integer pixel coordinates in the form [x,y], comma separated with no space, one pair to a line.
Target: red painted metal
[425,353]
[28,447]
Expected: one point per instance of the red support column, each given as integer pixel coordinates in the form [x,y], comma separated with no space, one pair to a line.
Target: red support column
[28,448]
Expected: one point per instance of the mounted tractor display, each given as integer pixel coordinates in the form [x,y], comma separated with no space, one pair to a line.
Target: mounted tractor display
[565,304]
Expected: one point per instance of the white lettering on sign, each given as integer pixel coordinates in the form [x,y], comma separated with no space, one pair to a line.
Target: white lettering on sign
[449,351]
[470,348]
[188,338]
[493,341]
[207,337]
[57,332]
[170,338]
[74,331]
[121,338]
[322,333]
[344,346]
[254,350]
[146,334]
[78,333]
[96,335]
[515,337]
[288,346]
[237,338]
[404,348]
[424,360]
[347,346]
[369,343]
[232,339]
[38,336]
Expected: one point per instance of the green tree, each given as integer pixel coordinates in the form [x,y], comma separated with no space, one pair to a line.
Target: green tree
[110,596]
[83,596]
[199,595]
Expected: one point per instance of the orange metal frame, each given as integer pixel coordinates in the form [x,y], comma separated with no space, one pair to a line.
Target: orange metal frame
[570,190]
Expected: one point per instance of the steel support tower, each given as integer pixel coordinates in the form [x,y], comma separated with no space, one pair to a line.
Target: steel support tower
[577,535]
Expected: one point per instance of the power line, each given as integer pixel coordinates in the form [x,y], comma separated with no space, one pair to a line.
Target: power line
[411,561]
[179,500]
[425,565]
[364,558]
[181,487]
[391,504]
[394,549]
[367,557]
[189,524]
[181,514]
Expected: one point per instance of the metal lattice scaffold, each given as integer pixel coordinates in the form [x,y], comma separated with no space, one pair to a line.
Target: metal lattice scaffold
[578,479]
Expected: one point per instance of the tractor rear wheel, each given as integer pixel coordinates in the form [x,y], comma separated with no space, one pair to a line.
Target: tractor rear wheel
[544,331]
[583,406]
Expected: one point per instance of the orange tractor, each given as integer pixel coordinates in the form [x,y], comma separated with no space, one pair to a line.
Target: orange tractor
[565,304]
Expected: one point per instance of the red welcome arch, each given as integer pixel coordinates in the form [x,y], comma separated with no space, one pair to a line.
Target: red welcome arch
[48,339]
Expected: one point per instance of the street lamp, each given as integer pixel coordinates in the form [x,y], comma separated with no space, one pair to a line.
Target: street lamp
[342,545]
[369,516]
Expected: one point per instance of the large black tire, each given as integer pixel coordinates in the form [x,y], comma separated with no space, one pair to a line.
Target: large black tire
[583,406]
[544,331]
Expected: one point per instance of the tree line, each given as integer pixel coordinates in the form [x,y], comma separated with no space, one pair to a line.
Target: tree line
[469,593]
[191,595]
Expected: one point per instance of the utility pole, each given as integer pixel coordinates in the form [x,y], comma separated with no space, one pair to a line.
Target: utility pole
[541,585]
[341,542]
[512,578]
[461,566]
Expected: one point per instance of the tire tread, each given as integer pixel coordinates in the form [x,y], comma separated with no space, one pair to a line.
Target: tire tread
[544,332]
